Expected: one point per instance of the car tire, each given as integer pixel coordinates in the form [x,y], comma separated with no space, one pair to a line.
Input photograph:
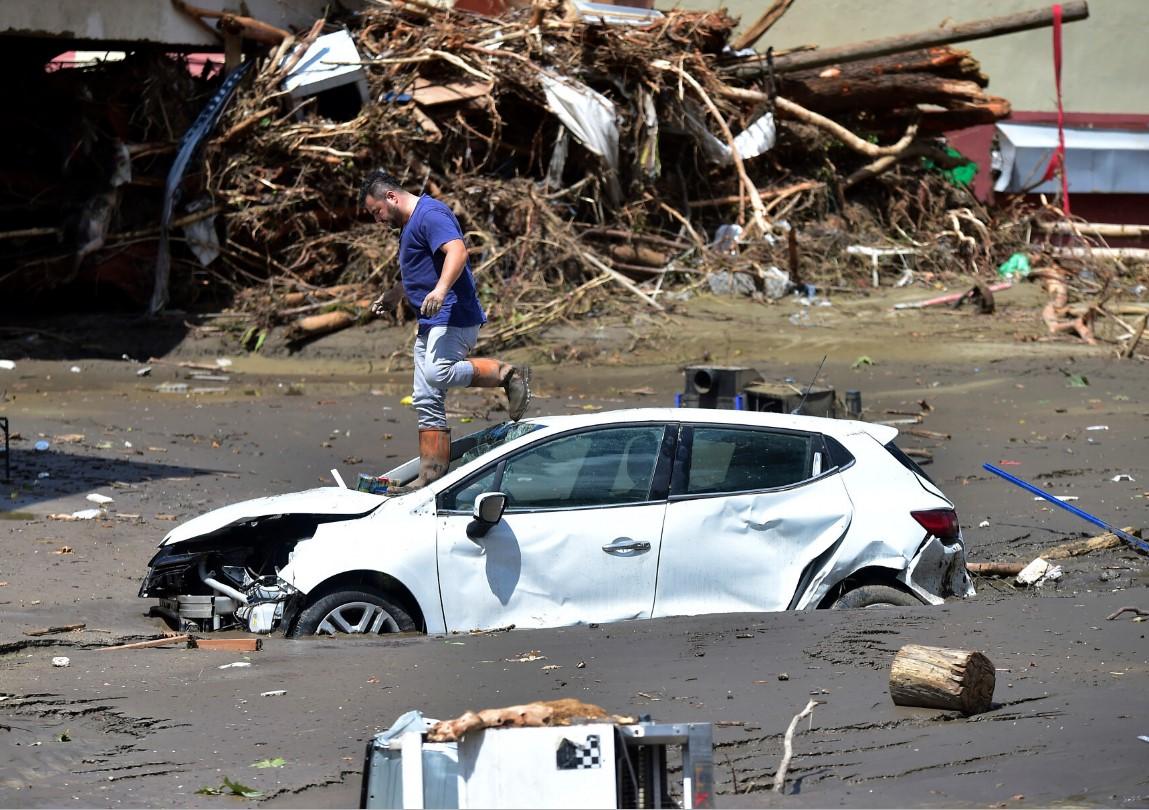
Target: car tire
[874,596]
[357,611]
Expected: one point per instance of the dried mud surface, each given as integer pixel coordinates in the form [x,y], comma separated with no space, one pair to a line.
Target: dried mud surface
[150,727]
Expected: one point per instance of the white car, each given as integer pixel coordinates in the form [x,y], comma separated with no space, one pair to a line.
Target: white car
[563,520]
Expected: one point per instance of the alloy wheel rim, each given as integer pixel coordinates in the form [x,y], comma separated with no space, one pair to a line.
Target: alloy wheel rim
[358,617]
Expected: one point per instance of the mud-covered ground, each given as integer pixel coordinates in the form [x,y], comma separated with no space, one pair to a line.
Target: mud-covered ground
[151,727]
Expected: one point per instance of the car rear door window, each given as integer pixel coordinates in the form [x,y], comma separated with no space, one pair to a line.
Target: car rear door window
[593,468]
[723,460]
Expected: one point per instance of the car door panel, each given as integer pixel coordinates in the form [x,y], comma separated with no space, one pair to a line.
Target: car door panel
[545,569]
[746,551]
[543,565]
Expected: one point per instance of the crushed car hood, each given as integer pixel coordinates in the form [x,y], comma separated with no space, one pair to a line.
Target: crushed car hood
[321,501]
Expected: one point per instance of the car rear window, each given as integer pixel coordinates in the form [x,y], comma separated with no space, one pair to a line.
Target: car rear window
[907,462]
[740,460]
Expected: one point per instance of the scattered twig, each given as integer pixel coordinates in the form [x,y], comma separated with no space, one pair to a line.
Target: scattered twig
[788,744]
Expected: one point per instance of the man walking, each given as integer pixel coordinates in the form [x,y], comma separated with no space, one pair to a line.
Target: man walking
[437,280]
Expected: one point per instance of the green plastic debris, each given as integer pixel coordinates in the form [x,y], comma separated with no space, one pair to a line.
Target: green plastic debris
[961,175]
[277,762]
[1016,266]
[864,360]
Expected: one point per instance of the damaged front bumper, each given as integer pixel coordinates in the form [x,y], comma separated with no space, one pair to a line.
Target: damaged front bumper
[938,570]
[196,593]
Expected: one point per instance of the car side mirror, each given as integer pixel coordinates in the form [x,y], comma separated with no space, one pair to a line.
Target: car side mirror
[489,508]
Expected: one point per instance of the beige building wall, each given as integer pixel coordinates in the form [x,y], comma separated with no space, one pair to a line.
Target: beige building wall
[1105,67]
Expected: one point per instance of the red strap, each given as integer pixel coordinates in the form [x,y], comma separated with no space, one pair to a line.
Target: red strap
[1057,161]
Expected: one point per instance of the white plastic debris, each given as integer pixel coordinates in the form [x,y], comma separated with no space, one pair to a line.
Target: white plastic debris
[143,372]
[235,664]
[42,445]
[87,514]
[96,497]
[61,661]
[273,693]
[1038,572]
[44,475]
[7,365]
[983,525]
[75,369]
[172,388]
[1122,477]
[1098,427]
[223,362]
[1061,498]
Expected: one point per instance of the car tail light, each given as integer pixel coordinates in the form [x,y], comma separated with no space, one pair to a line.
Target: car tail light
[942,523]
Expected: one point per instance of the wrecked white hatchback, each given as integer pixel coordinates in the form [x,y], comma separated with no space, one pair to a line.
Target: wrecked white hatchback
[574,519]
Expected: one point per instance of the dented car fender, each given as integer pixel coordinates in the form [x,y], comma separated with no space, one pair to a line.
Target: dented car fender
[398,541]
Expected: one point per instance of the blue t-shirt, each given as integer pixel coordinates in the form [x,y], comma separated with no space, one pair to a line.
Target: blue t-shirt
[431,226]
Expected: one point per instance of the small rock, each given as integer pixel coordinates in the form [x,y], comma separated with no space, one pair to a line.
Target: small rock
[783,676]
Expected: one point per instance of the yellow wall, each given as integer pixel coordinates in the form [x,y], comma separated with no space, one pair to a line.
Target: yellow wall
[1105,69]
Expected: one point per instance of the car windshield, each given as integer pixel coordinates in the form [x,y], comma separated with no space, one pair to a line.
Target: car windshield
[470,447]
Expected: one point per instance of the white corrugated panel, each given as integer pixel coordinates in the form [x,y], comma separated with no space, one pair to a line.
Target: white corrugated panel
[1097,161]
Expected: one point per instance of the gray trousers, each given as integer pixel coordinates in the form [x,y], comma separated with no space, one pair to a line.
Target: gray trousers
[440,363]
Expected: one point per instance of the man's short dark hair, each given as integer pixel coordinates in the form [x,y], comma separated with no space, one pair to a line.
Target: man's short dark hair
[377,184]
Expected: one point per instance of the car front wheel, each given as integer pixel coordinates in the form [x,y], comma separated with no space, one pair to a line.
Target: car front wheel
[361,612]
[874,596]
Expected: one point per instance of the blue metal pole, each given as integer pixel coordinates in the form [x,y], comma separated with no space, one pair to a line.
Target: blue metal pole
[1137,543]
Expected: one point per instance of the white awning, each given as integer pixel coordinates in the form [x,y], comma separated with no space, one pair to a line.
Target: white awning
[1097,161]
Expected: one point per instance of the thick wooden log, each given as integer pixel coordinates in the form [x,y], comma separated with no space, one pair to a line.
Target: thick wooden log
[941,35]
[882,92]
[952,63]
[637,254]
[940,678]
[995,569]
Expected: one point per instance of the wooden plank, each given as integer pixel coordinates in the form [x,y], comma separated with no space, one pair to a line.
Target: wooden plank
[155,642]
[232,644]
[429,93]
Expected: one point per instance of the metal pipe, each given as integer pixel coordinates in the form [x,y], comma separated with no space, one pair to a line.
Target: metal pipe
[1137,543]
[226,590]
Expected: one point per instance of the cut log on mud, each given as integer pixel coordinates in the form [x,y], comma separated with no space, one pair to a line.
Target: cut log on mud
[995,569]
[1091,544]
[941,678]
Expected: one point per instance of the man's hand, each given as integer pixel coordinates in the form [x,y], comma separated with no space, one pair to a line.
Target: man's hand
[432,303]
[388,301]
[379,305]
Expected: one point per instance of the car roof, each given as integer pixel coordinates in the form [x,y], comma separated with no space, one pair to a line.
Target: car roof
[838,428]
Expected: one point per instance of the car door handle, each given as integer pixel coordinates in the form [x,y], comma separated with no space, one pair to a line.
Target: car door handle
[626,544]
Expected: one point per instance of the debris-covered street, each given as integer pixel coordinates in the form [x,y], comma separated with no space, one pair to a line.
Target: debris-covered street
[142,727]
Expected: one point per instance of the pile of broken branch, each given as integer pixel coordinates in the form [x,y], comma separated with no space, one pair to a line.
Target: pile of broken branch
[581,168]
[592,166]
